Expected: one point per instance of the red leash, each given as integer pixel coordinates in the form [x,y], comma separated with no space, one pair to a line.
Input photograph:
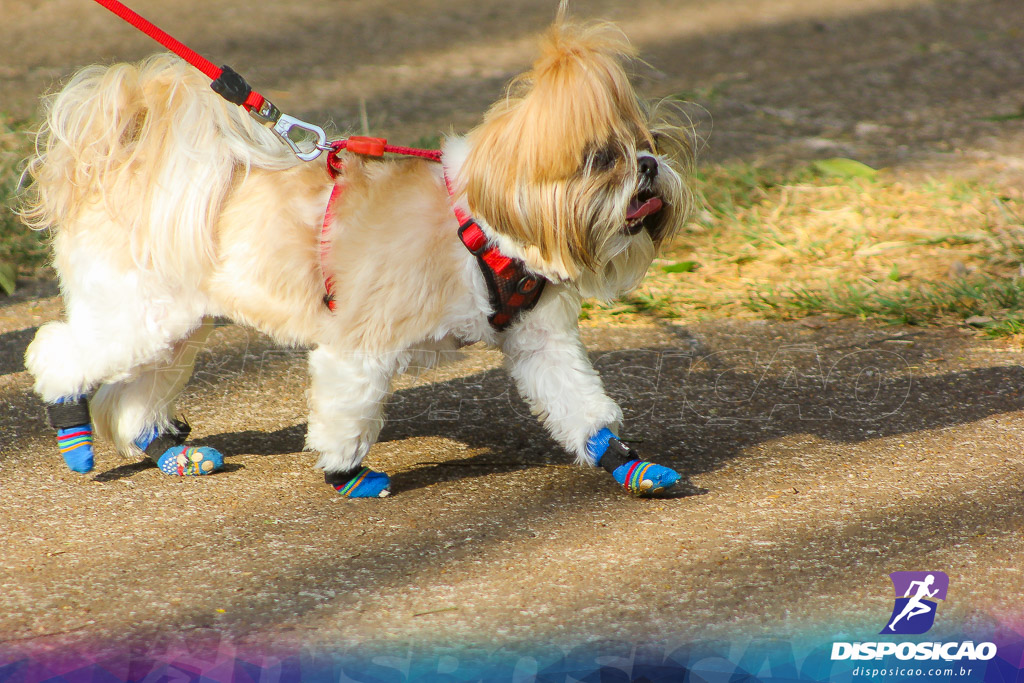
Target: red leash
[212,71]
[232,87]
[378,147]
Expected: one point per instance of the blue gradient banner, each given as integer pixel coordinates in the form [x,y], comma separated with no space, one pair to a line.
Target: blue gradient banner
[727,661]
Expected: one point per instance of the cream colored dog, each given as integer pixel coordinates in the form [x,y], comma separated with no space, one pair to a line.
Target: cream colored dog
[169,206]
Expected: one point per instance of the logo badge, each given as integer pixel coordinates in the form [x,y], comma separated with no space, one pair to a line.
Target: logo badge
[917,594]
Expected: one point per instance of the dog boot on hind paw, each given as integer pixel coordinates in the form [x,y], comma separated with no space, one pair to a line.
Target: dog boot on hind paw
[640,477]
[169,452]
[360,483]
[70,417]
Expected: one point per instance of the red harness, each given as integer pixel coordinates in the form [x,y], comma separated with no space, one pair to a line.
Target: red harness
[511,286]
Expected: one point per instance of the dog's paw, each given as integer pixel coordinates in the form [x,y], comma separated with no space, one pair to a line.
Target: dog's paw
[190,461]
[168,450]
[645,479]
[361,483]
[70,417]
[75,444]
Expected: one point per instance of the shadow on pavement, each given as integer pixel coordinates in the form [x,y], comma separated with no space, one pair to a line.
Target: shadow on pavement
[692,408]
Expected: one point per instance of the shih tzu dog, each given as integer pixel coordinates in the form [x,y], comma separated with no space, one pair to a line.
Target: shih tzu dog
[169,206]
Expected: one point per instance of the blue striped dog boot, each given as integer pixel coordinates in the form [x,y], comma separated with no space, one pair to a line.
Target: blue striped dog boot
[70,417]
[640,477]
[190,461]
[360,483]
[168,450]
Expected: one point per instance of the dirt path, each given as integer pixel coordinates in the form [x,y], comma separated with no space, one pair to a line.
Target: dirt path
[819,457]
[818,460]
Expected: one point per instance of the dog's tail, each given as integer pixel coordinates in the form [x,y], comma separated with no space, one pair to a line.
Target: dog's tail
[150,148]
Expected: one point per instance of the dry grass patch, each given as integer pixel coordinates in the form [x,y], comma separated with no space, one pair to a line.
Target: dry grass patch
[852,243]
[22,251]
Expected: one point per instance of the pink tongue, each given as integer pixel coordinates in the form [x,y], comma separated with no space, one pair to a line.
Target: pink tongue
[652,205]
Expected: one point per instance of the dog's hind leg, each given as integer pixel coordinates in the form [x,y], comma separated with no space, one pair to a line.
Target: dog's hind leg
[137,414]
[117,321]
[116,325]
[347,397]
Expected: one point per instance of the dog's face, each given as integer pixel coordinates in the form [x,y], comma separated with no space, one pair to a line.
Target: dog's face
[570,168]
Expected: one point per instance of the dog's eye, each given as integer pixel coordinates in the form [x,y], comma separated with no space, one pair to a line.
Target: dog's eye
[650,142]
[656,139]
[603,159]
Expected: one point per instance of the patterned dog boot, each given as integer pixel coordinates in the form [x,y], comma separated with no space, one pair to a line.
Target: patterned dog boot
[172,456]
[637,476]
[360,483]
[70,417]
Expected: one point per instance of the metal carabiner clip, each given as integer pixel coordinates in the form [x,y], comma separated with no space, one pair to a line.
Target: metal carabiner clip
[283,125]
[286,124]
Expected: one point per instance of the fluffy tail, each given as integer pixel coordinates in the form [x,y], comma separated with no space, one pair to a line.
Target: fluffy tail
[151,148]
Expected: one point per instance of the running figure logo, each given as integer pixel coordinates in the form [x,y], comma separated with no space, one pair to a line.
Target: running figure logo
[916,596]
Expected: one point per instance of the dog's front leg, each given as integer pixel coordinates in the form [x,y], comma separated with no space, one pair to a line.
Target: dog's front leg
[554,375]
[347,394]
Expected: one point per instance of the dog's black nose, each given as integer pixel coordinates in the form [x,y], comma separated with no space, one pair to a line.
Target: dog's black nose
[648,167]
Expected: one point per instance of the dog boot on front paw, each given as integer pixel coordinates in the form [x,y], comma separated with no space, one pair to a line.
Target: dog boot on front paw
[70,417]
[360,483]
[637,476]
[168,450]
[645,478]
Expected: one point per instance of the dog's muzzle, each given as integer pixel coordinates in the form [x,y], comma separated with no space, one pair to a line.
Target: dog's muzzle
[641,214]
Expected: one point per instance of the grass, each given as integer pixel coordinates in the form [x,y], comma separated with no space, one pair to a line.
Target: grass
[839,239]
[832,238]
[23,251]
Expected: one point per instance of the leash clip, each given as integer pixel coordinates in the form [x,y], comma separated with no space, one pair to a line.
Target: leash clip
[286,124]
[283,125]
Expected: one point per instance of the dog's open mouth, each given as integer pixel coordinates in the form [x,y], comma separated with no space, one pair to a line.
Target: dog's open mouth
[642,212]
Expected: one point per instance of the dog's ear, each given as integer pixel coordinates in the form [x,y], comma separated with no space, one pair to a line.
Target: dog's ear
[524,172]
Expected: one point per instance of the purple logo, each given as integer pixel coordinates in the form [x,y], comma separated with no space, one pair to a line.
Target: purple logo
[917,594]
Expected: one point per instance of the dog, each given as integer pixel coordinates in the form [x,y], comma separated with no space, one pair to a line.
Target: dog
[169,207]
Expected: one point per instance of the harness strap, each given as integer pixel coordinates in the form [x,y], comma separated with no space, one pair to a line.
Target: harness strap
[511,286]
[325,246]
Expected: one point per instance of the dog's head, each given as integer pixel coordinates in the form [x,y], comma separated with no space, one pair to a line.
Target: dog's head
[570,170]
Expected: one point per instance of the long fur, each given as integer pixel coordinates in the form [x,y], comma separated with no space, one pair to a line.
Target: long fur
[576,104]
[133,145]
[169,206]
